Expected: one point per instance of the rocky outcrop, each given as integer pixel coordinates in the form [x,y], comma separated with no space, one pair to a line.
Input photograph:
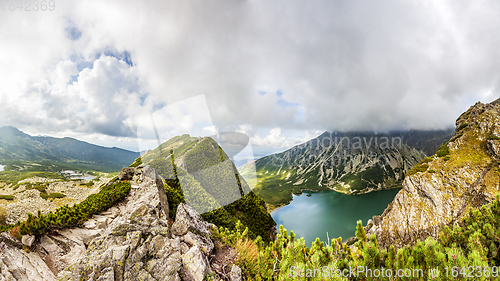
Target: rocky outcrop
[131,241]
[465,174]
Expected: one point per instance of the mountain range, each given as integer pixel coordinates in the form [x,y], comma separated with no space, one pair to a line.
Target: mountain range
[348,162]
[17,148]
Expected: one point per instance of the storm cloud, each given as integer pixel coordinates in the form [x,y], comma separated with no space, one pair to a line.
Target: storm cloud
[271,67]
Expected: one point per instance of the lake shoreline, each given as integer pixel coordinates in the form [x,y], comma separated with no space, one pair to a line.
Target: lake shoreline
[272,208]
[330,212]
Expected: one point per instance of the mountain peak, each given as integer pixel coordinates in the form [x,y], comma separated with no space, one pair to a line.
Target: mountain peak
[463,173]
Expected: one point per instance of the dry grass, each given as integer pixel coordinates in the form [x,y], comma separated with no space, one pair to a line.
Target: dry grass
[248,253]
[16,232]
[3,216]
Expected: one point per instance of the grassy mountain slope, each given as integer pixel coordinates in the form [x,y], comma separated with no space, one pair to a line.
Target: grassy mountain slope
[198,172]
[351,163]
[463,173]
[18,148]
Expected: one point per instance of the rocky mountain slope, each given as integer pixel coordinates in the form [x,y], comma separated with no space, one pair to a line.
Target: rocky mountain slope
[463,173]
[199,173]
[131,241]
[17,147]
[352,163]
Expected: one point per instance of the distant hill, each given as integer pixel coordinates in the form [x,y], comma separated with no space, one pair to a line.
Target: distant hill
[18,147]
[348,162]
[199,173]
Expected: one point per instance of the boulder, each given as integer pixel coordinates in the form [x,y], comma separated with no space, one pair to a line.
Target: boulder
[126,174]
[195,265]
[235,273]
[188,219]
[28,240]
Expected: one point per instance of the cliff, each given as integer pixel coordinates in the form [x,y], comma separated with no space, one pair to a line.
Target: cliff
[463,173]
[131,241]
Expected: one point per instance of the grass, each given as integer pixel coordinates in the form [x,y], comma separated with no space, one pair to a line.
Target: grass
[7,197]
[443,150]
[462,126]
[88,184]
[52,195]
[13,177]
[3,216]
[417,169]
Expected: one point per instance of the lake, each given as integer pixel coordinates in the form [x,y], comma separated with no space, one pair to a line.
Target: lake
[1,168]
[330,211]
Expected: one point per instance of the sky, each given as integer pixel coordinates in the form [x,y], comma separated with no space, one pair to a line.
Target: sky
[280,72]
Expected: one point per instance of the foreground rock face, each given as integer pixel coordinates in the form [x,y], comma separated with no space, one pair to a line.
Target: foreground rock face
[441,194]
[131,241]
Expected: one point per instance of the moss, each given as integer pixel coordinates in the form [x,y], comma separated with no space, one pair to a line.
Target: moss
[418,168]
[427,160]
[462,126]
[443,150]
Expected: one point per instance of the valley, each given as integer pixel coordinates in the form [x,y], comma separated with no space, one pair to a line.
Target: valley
[351,163]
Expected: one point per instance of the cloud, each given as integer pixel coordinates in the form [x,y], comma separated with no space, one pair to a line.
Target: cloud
[99,101]
[93,66]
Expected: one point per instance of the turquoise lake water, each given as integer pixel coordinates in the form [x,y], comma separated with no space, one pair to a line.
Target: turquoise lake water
[332,212]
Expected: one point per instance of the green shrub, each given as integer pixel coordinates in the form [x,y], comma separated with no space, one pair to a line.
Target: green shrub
[443,150]
[418,168]
[52,195]
[137,162]
[87,184]
[427,160]
[461,127]
[493,137]
[7,197]
[446,158]
[431,171]
[77,214]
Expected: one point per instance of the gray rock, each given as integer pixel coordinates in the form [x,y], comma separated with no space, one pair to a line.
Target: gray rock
[428,201]
[195,265]
[108,274]
[188,219]
[126,174]
[235,273]
[28,240]
[205,244]
[151,173]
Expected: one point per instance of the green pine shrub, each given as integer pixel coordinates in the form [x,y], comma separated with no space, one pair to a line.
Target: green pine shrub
[77,214]
[443,150]
[473,242]
[417,169]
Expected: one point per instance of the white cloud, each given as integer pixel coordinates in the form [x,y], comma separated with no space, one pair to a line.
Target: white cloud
[344,65]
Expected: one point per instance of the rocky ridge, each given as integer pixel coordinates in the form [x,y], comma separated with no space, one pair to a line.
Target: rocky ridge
[464,174]
[131,241]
